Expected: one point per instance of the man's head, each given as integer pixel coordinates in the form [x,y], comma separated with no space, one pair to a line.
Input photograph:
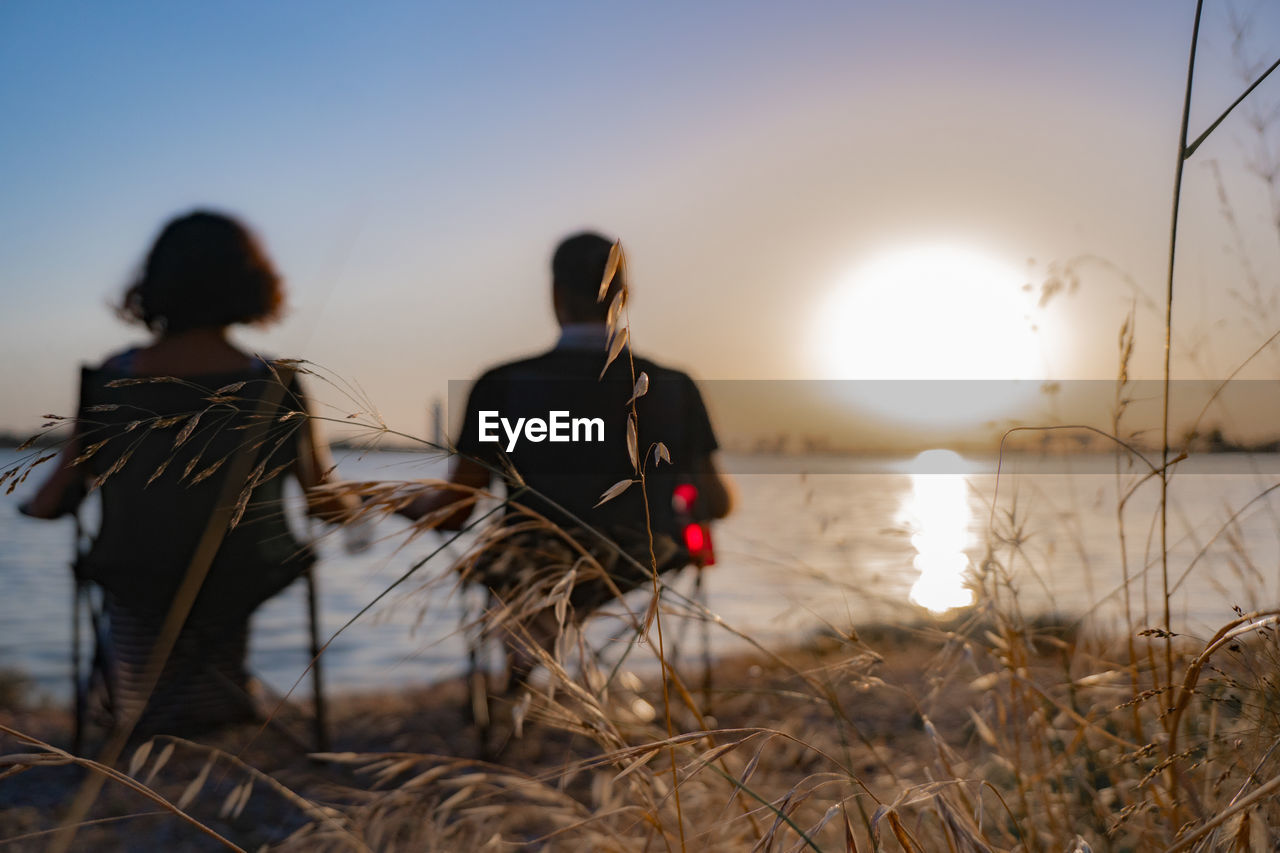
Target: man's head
[576,270]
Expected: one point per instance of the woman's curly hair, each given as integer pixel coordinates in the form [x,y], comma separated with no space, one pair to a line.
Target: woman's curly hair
[204,270]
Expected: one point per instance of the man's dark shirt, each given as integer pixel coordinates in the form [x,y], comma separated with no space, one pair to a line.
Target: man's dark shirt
[574,474]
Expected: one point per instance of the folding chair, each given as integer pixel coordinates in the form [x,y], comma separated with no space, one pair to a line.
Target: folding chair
[699,553]
[109,412]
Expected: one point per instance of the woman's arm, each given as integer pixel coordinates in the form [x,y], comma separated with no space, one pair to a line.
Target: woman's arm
[61,492]
[313,469]
[470,475]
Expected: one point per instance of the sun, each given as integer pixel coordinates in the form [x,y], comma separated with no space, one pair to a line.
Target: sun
[950,314]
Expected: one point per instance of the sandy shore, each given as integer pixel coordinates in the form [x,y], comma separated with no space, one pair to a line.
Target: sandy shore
[877,689]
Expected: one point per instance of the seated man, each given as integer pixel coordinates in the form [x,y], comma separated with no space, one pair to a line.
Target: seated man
[557,426]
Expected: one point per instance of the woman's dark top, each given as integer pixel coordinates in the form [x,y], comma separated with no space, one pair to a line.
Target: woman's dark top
[161,450]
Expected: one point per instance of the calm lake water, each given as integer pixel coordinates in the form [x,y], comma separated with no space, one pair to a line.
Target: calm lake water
[813,541]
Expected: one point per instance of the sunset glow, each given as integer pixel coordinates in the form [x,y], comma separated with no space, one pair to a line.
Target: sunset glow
[933,312]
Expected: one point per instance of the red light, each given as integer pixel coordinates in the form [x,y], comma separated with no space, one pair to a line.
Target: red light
[693,538]
[684,496]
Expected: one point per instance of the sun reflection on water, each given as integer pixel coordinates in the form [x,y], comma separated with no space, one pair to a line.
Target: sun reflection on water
[937,513]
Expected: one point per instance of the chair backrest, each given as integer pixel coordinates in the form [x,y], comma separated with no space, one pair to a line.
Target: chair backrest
[161,449]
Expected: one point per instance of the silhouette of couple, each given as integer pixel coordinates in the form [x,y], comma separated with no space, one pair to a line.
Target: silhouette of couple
[190,468]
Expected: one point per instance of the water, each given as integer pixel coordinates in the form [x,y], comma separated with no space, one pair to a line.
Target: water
[802,550]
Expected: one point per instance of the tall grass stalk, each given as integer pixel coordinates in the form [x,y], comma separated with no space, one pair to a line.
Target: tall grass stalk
[1168,352]
[621,334]
[1185,151]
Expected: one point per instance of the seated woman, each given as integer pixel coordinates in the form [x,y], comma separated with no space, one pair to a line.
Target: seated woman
[188,439]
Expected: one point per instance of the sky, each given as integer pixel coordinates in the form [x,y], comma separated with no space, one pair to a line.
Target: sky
[410,167]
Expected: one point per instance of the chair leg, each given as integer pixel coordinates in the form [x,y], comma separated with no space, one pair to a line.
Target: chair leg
[102,665]
[700,595]
[317,672]
[78,684]
[478,706]
[477,687]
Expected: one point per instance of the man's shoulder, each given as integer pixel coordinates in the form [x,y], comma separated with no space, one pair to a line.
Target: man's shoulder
[658,372]
[658,369]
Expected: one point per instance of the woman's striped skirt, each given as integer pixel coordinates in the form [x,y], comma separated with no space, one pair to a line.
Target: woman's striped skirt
[203,684]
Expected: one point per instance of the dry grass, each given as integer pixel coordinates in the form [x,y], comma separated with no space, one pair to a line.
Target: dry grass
[980,734]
